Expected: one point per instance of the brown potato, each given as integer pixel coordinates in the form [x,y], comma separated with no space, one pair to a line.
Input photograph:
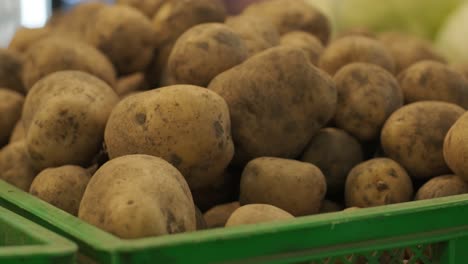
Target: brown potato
[147,7]
[303,40]
[377,182]
[257,213]
[335,153]
[367,96]
[218,215]
[294,15]
[11,104]
[277,101]
[130,84]
[353,48]
[296,187]
[55,54]
[138,196]
[186,125]
[18,133]
[442,186]
[64,117]
[456,147]
[63,187]
[15,165]
[25,37]
[330,207]
[431,80]
[414,136]
[11,66]
[203,52]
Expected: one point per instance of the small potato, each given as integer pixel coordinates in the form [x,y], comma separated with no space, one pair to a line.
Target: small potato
[277,101]
[257,213]
[147,7]
[129,84]
[335,153]
[218,215]
[203,52]
[138,196]
[11,66]
[64,117]
[431,80]
[456,147]
[367,96]
[15,165]
[18,133]
[125,36]
[63,187]
[330,207]
[414,137]
[442,186]
[305,41]
[257,33]
[186,125]
[290,16]
[58,54]
[377,182]
[25,37]
[11,104]
[350,49]
[294,186]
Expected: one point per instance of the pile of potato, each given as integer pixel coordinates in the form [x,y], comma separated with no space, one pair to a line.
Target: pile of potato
[155,117]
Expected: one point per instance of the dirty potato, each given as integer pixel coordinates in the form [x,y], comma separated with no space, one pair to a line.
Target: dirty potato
[11,104]
[442,186]
[15,165]
[218,215]
[455,147]
[257,213]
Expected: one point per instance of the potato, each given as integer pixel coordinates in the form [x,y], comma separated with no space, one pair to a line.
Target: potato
[175,17]
[414,136]
[125,36]
[18,133]
[64,118]
[147,7]
[186,125]
[309,43]
[138,196]
[377,182]
[290,16]
[455,147]
[431,80]
[277,101]
[130,83]
[442,186]
[408,49]
[10,71]
[335,153]
[11,104]
[257,34]
[25,37]
[330,207]
[296,187]
[218,215]
[461,68]
[15,165]
[367,96]
[257,213]
[63,187]
[203,52]
[58,54]
[351,49]
[356,31]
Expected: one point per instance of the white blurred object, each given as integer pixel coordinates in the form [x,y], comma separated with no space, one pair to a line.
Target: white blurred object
[34,13]
[453,37]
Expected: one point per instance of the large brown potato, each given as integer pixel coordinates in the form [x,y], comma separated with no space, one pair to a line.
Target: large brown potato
[414,136]
[10,71]
[294,186]
[11,104]
[367,96]
[303,40]
[188,126]
[138,196]
[15,165]
[456,147]
[277,101]
[441,186]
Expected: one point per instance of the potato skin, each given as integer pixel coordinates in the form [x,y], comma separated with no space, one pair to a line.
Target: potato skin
[18,133]
[272,181]
[25,37]
[55,54]
[277,101]
[257,213]
[367,96]
[15,165]
[303,40]
[442,186]
[64,118]
[11,104]
[203,52]
[186,125]
[138,196]
[218,215]
[335,153]
[455,150]
[147,7]
[431,80]
[62,187]
[354,48]
[414,137]
[377,182]
[11,65]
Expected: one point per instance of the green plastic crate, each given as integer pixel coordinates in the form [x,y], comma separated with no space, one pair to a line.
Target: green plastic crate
[431,231]
[22,241]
